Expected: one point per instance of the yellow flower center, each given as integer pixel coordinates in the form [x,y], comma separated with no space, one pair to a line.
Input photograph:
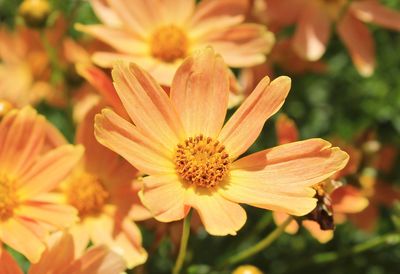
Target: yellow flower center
[169,43]
[87,194]
[202,161]
[8,197]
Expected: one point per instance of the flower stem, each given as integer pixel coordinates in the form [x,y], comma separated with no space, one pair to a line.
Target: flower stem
[183,246]
[328,257]
[264,243]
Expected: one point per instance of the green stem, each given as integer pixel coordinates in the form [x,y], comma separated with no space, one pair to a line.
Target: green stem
[264,243]
[328,257]
[184,241]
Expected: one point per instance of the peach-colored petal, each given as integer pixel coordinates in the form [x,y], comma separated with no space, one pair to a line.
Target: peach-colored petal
[323,236]
[219,215]
[210,14]
[177,11]
[374,12]
[280,178]
[22,139]
[59,216]
[139,16]
[81,238]
[121,40]
[286,130]
[7,264]
[148,105]
[283,13]
[358,40]
[280,218]
[246,123]
[105,14]
[312,33]
[244,45]
[49,171]
[164,196]
[103,84]
[200,92]
[98,260]
[348,199]
[130,241]
[108,59]
[58,255]
[123,138]
[17,236]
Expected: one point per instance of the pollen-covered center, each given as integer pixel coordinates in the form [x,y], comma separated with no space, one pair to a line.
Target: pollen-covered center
[169,43]
[202,161]
[87,194]
[8,197]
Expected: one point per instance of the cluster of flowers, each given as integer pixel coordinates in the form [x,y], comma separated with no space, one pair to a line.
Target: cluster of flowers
[152,142]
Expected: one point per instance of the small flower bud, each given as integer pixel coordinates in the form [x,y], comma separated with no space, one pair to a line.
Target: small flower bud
[247,269]
[35,12]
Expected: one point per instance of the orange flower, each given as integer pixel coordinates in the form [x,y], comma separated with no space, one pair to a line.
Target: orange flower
[160,34]
[60,257]
[191,158]
[23,68]
[103,188]
[28,171]
[315,17]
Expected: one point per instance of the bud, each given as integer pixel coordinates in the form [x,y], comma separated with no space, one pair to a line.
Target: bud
[34,12]
[247,269]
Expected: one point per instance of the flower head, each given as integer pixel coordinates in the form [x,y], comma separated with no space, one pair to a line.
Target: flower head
[29,169]
[103,188]
[191,157]
[160,35]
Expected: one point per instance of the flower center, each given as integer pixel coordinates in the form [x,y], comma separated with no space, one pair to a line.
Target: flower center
[87,194]
[8,197]
[169,43]
[202,161]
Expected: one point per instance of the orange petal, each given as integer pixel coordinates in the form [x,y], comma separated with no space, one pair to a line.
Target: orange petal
[280,178]
[367,219]
[312,33]
[103,84]
[323,236]
[105,14]
[200,91]
[49,171]
[286,130]
[219,215]
[22,138]
[124,138]
[374,12]
[212,14]
[164,196]
[130,240]
[98,260]
[246,123]
[60,216]
[7,264]
[19,237]
[240,46]
[348,199]
[280,218]
[58,255]
[358,40]
[148,105]
[139,17]
[119,39]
